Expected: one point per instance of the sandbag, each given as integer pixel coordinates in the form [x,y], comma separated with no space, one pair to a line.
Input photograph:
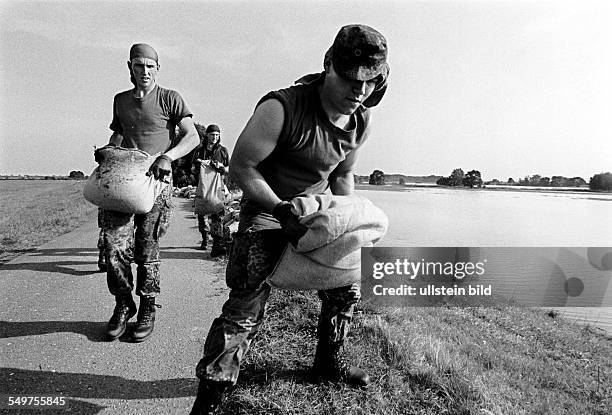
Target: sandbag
[210,193]
[120,181]
[329,254]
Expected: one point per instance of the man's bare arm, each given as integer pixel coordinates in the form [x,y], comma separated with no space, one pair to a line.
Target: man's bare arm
[255,143]
[342,180]
[188,141]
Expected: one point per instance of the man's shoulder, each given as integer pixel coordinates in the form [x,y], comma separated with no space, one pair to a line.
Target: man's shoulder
[298,90]
[124,94]
[166,92]
[294,96]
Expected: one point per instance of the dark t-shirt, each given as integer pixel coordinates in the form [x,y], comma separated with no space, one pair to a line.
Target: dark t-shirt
[148,123]
[309,149]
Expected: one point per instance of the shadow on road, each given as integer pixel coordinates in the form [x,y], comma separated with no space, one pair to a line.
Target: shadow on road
[20,382]
[66,267]
[61,267]
[65,252]
[93,330]
[181,252]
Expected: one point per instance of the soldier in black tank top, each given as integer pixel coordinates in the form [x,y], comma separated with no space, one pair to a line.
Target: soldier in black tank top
[300,140]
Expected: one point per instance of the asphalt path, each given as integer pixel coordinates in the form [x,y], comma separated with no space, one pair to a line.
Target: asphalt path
[55,306]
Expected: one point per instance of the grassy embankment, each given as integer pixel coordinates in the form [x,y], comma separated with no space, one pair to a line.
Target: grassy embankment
[33,212]
[495,360]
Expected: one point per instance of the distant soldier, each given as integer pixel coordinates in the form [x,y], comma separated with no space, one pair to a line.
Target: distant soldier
[211,150]
[145,118]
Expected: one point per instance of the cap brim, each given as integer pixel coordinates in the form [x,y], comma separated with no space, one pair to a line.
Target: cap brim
[362,73]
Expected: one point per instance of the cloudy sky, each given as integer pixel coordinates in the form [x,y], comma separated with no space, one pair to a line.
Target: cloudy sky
[510,88]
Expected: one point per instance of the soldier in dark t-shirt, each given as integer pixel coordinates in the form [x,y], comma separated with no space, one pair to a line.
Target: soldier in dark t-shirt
[300,140]
[144,118]
[217,156]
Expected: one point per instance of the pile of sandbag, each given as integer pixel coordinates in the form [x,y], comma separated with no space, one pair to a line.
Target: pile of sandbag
[188,192]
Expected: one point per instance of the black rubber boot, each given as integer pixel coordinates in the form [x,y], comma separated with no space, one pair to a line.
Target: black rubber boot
[204,243]
[125,308]
[330,364]
[210,395]
[145,320]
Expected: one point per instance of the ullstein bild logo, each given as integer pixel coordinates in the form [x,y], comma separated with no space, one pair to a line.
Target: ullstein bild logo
[430,276]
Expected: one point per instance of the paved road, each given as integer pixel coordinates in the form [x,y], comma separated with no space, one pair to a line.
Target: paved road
[55,306]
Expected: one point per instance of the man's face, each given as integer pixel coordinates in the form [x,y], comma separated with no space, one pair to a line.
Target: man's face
[213,138]
[346,95]
[145,72]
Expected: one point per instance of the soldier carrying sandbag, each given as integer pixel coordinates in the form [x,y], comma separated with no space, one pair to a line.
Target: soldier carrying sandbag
[144,118]
[301,140]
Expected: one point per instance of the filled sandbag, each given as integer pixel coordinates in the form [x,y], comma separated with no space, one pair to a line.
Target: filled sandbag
[328,255]
[210,193]
[120,182]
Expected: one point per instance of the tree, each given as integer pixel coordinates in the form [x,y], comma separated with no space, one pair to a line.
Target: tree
[544,181]
[534,180]
[601,181]
[510,180]
[557,181]
[472,179]
[456,178]
[76,175]
[442,181]
[377,177]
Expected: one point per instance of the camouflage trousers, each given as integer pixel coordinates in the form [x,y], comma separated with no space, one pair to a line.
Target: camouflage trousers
[100,243]
[135,238]
[219,232]
[251,259]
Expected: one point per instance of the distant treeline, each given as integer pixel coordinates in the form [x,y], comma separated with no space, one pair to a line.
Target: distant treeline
[537,180]
[378,175]
[457,178]
[73,175]
[601,181]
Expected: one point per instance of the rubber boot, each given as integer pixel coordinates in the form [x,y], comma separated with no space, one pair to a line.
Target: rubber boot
[204,243]
[125,308]
[210,395]
[330,364]
[145,320]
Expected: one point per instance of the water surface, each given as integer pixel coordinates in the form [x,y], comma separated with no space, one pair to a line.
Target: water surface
[422,217]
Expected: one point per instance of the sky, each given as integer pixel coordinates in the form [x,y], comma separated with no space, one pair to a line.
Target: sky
[509,88]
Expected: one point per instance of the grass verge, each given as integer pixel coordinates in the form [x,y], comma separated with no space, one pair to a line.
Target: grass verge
[505,360]
[33,212]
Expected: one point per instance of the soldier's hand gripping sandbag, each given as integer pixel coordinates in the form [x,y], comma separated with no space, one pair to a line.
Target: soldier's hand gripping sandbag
[160,167]
[98,157]
[292,228]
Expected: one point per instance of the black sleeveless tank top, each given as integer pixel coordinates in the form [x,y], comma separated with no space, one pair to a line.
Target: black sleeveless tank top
[309,147]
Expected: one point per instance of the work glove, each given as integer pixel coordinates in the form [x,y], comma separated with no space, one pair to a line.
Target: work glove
[290,224]
[98,157]
[160,167]
[218,166]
